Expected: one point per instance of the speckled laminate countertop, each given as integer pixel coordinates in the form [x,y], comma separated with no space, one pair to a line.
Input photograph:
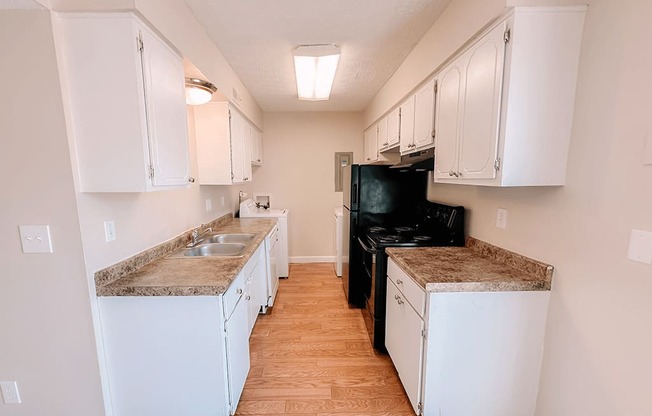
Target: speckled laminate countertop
[172,276]
[478,267]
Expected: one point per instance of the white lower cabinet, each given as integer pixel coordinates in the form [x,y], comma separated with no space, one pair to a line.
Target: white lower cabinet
[237,350]
[404,342]
[465,353]
[177,355]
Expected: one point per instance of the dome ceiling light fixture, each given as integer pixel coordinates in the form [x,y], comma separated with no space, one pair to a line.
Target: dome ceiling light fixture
[199,91]
[315,66]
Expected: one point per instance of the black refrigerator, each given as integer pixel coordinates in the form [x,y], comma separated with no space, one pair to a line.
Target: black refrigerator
[373,195]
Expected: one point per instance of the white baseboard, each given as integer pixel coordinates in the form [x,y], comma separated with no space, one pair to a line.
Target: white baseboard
[312,259]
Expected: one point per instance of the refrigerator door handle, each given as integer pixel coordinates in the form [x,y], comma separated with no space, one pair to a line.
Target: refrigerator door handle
[354,194]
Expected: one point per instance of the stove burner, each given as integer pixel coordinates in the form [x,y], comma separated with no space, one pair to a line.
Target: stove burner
[403,229]
[376,229]
[422,238]
[389,238]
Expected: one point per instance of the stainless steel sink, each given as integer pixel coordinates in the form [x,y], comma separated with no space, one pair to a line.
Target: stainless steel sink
[229,238]
[212,250]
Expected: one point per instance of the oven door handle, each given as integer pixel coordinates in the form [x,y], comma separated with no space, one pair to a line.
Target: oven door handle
[365,247]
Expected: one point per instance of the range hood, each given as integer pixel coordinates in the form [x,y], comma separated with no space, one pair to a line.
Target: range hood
[423,160]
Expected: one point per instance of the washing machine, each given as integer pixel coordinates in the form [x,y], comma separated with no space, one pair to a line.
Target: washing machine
[248,209]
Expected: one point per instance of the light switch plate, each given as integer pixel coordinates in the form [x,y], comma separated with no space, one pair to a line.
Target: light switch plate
[209,204]
[640,246]
[35,238]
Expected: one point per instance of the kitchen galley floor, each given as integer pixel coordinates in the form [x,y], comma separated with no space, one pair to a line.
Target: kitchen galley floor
[312,355]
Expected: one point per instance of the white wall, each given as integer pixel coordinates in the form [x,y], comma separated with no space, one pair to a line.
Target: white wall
[299,152]
[46,343]
[597,359]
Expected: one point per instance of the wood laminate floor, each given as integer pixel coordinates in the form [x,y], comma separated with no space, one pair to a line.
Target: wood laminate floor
[311,355]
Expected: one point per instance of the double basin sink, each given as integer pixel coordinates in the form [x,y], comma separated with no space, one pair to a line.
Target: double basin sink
[217,245]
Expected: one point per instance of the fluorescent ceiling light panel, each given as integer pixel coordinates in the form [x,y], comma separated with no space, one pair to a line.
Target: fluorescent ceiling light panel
[315,67]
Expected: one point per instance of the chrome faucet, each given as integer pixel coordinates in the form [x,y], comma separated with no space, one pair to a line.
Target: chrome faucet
[196,236]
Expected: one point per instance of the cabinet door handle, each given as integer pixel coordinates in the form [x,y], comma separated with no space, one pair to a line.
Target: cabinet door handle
[399,282]
[247,297]
[191,179]
[399,300]
[238,291]
[450,173]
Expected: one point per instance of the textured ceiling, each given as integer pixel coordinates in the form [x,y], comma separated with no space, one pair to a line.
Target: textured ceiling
[257,38]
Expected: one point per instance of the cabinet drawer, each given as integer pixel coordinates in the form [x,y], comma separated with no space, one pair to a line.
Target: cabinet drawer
[234,294]
[414,294]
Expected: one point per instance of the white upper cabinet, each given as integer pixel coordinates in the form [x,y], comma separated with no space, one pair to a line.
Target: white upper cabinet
[505,105]
[257,150]
[393,128]
[468,110]
[424,116]
[370,150]
[417,115]
[407,125]
[126,104]
[381,138]
[225,144]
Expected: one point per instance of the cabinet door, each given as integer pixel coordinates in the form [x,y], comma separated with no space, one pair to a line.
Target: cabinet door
[449,95]
[394,127]
[248,142]
[237,146]
[237,351]
[424,115]
[167,125]
[407,125]
[382,140]
[482,94]
[404,342]
[370,145]
[257,155]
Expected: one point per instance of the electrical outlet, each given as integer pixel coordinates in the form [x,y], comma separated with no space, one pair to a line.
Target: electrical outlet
[209,204]
[501,218]
[35,238]
[109,230]
[10,393]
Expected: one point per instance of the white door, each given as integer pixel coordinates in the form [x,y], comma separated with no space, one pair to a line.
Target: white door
[394,127]
[237,146]
[237,350]
[404,342]
[407,125]
[167,126]
[370,145]
[448,119]
[482,95]
[424,115]
[248,142]
[381,139]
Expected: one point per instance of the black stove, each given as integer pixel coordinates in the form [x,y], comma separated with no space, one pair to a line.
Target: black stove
[432,225]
